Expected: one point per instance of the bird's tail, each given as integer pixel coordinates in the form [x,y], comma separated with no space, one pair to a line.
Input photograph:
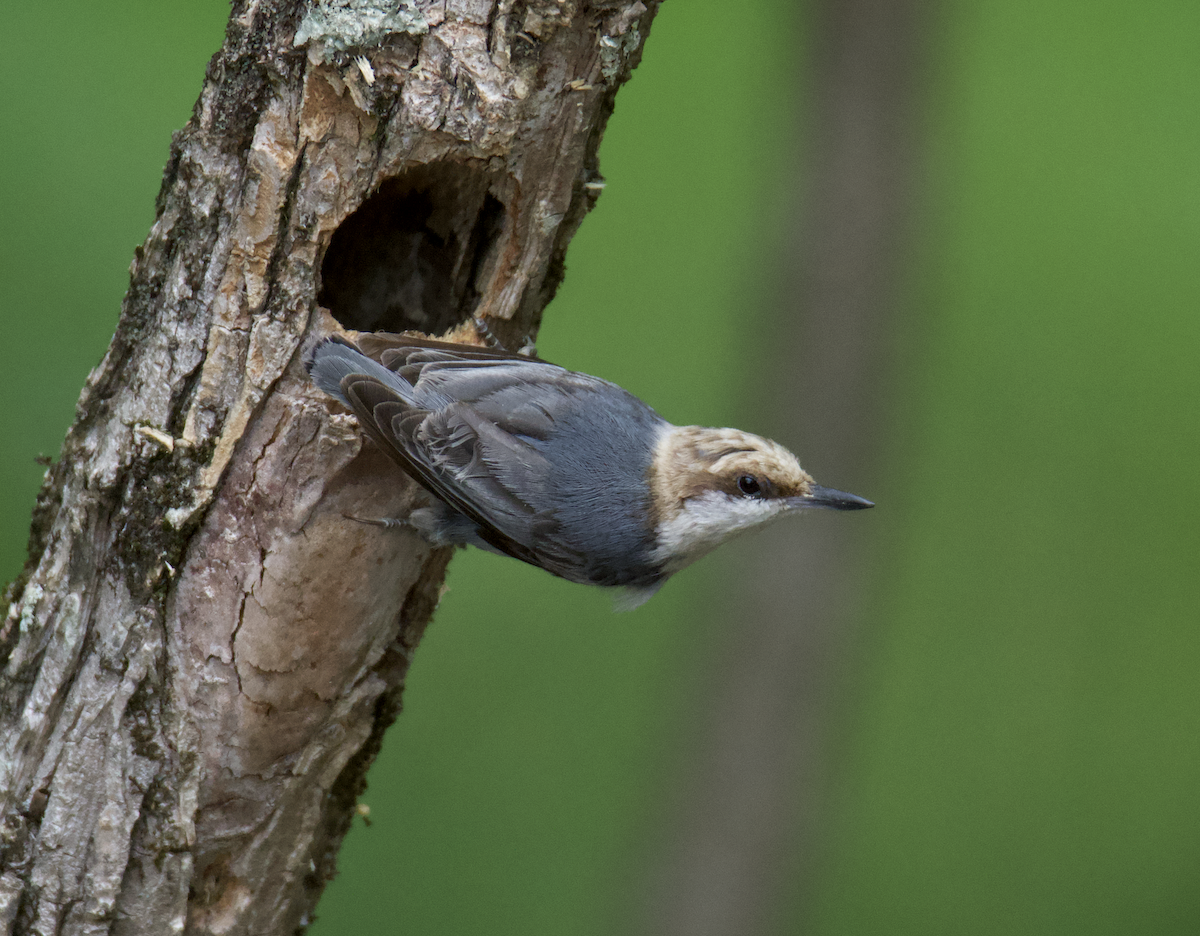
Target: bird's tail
[334,359]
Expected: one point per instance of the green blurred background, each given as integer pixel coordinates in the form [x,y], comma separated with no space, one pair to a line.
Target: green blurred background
[1023,749]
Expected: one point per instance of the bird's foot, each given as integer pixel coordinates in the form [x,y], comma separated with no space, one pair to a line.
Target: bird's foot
[527,349]
[389,523]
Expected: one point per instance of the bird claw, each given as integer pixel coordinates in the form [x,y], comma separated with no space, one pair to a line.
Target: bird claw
[528,348]
[388,523]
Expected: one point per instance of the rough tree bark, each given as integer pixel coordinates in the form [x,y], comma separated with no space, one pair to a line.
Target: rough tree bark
[202,653]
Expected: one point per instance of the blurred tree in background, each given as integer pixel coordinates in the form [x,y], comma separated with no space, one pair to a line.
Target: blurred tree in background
[1016,748]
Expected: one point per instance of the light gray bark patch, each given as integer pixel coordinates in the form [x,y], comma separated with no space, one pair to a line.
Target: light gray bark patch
[342,25]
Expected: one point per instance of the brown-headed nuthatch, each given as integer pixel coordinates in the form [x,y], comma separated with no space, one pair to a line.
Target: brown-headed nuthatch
[561,470]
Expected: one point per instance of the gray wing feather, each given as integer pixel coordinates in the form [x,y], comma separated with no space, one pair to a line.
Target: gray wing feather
[333,361]
[489,473]
[461,422]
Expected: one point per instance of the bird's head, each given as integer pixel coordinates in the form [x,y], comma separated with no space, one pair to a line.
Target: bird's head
[710,484]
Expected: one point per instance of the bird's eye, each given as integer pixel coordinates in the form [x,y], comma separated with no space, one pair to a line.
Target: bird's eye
[748,485]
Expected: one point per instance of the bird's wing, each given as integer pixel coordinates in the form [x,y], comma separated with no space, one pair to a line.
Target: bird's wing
[467,432]
[382,345]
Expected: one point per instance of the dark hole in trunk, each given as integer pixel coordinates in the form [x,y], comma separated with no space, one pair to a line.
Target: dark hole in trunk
[417,254]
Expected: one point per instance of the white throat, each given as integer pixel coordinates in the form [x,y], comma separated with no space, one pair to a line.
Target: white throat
[705,522]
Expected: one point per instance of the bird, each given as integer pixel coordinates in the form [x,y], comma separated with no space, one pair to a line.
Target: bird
[562,470]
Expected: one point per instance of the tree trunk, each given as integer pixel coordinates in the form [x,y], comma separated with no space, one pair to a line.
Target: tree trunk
[202,653]
[749,806]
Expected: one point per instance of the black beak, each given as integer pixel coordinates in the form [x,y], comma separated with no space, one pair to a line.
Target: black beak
[832,500]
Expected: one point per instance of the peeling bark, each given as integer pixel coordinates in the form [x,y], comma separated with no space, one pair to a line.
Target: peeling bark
[202,653]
